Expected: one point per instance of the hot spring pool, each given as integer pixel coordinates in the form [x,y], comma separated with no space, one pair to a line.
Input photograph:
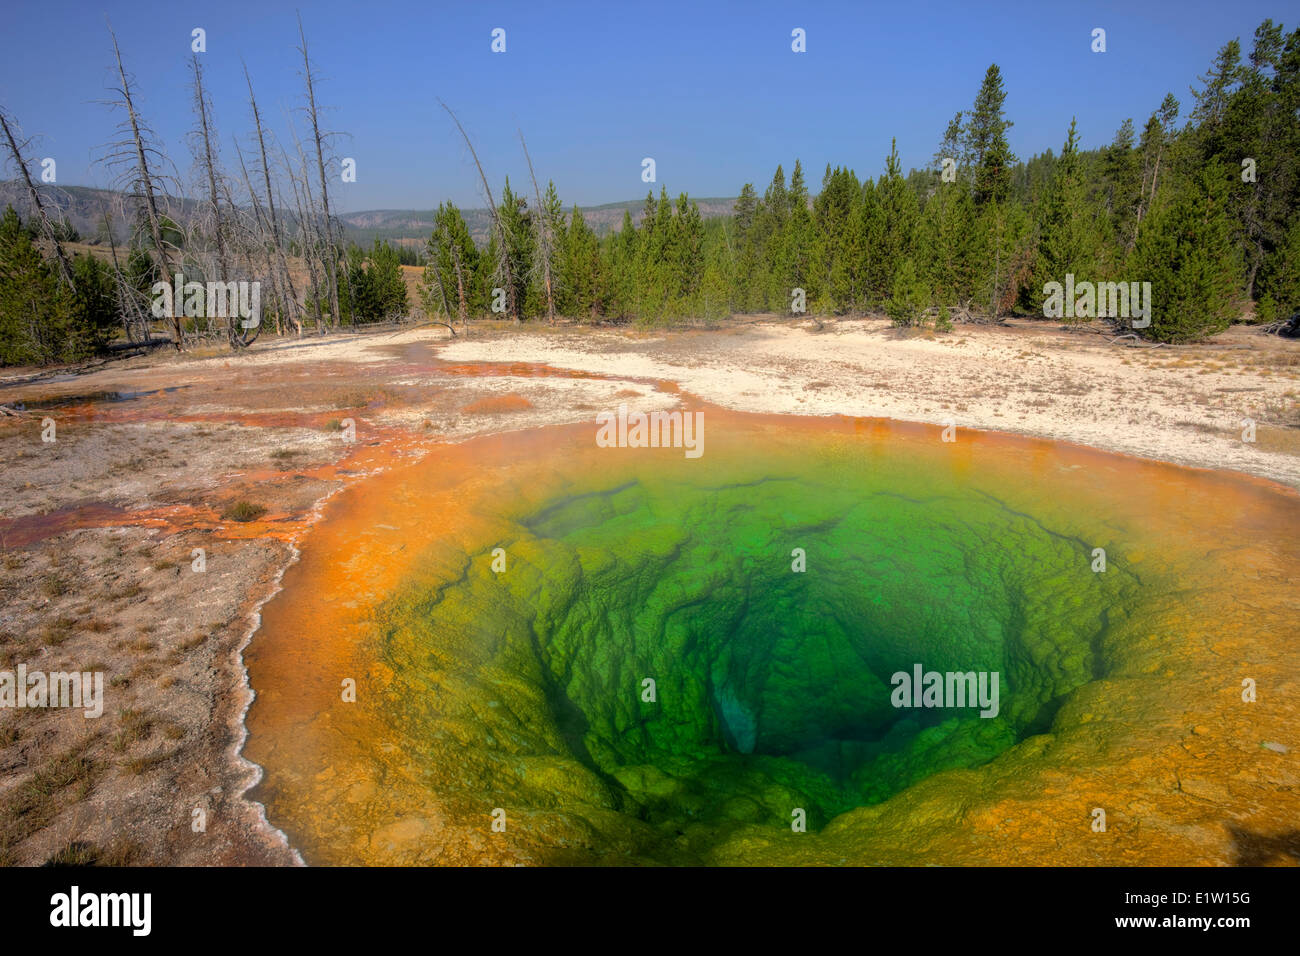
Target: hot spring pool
[563,653]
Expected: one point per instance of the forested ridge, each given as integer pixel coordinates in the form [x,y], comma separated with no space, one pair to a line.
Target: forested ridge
[1200,199]
[1205,210]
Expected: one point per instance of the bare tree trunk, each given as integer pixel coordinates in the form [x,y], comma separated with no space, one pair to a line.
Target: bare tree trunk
[331,260]
[306,213]
[442,288]
[246,240]
[291,304]
[503,249]
[1147,201]
[461,305]
[209,163]
[1155,176]
[210,168]
[264,242]
[442,292]
[145,180]
[47,228]
[544,234]
[127,296]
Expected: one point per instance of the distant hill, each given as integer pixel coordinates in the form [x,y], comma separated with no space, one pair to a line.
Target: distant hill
[412,225]
[83,207]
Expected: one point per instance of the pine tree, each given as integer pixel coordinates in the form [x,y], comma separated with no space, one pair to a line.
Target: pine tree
[1187,254]
[385,269]
[549,227]
[798,240]
[449,277]
[1256,126]
[689,253]
[464,258]
[748,256]
[580,269]
[487,275]
[893,238]
[1066,232]
[776,266]
[1157,137]
[92,307]
[716,281]
[953,146]
[986,140]
[1280,283]
[34,317]
[1218,85]
[1121,188]
[656,252]
[525,288]
[910,296]
[946,235]
[1001,243]
[837,241]
[622,269]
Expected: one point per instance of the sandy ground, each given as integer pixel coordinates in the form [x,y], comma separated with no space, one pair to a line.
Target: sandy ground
[1186,406]
[98,528]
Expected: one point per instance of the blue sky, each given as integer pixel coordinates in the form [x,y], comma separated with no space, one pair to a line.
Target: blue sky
[711,90]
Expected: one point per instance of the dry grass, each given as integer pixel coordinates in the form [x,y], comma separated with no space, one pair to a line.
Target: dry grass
[55,585]
[1284,441]
[135,727]
[38,800]
[364,397]
[58,631]
[79,853]
[243,511]
[142,765]
[190,643]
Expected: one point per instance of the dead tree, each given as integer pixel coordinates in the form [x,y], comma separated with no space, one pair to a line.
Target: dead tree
[331,259]
[442,293]
[286,279]
[131,303]
[306,237]
[34,195]
[545,239]
[207,162]
[246,242]
[442,287]
[261,240]
[503,272]
[208,166]
[462,304]
[136,153]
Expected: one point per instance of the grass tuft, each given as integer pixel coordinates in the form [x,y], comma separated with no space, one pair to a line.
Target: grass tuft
[243,511]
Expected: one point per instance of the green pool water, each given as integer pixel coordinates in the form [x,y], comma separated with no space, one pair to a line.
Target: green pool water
[770,604]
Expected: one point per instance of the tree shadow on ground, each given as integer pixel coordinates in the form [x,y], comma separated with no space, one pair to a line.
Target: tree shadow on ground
[1257,849]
